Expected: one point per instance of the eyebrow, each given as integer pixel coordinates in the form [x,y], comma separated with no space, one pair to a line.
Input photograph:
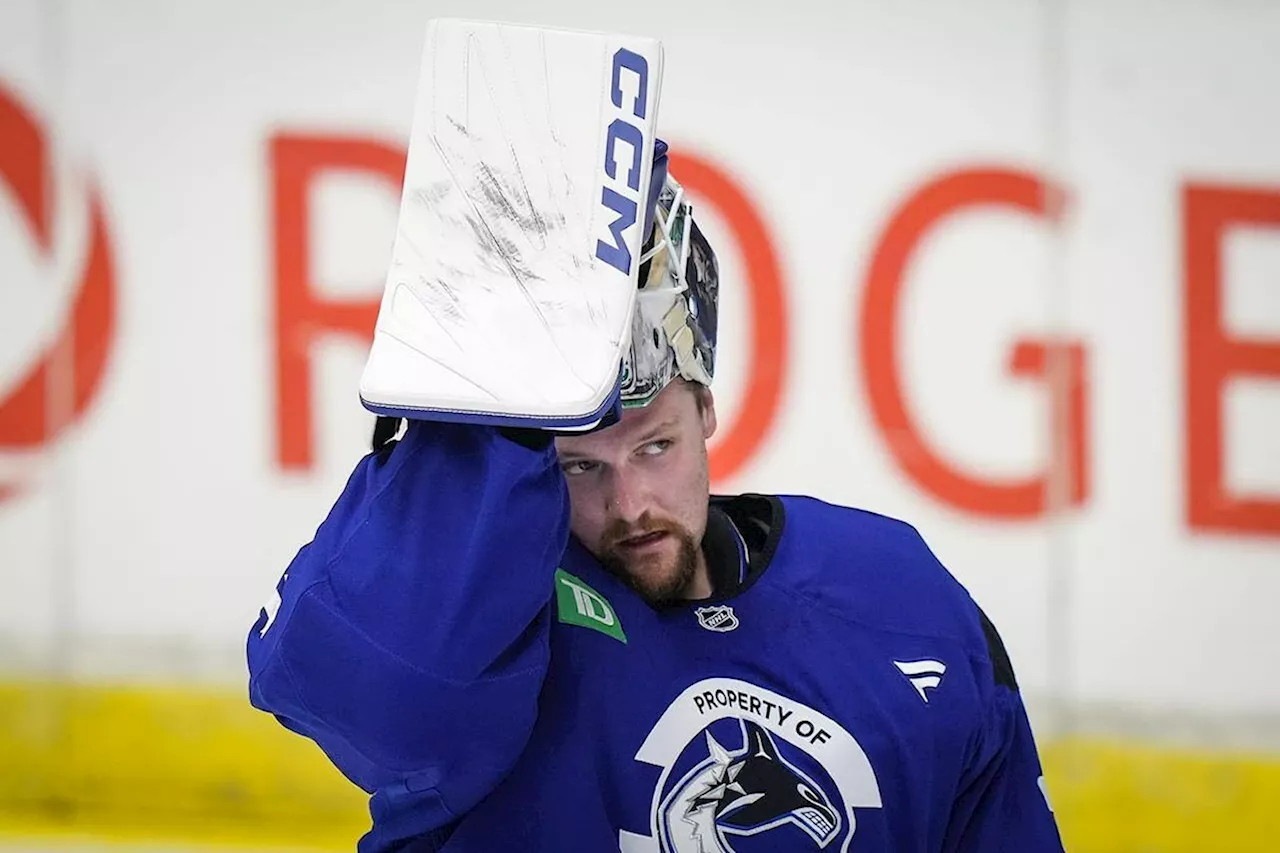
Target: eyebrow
[666,426]
[645,437]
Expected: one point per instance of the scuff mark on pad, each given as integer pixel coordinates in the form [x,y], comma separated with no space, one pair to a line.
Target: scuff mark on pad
[500,216]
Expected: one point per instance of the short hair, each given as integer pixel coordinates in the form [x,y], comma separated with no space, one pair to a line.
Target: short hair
[701,394]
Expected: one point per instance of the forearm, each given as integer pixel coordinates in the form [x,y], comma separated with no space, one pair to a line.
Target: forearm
[411,636]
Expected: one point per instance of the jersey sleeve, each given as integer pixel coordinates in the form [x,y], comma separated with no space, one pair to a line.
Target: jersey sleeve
[1003,805]
[409,638]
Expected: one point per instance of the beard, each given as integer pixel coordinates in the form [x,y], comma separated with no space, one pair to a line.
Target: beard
[659,578]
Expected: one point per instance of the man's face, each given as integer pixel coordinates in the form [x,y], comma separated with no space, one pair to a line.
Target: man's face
[638,492]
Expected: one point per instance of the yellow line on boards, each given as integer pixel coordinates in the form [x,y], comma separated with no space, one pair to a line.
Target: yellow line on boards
[189,764]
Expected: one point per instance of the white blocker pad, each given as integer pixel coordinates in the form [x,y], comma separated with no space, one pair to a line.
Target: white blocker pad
[514,271]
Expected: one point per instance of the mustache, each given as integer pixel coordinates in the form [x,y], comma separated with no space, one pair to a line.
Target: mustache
[618,531]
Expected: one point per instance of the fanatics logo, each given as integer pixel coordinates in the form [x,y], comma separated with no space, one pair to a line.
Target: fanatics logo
[718,618]
[923,674]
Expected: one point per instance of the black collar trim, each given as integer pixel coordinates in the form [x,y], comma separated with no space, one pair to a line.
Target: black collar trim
[759,520]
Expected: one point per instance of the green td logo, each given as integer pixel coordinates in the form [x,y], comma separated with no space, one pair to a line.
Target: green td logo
[581,605]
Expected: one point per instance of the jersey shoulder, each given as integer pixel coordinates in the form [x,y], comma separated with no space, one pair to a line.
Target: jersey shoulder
[876,571]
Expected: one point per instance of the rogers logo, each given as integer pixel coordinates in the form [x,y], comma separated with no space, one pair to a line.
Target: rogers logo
[56,386]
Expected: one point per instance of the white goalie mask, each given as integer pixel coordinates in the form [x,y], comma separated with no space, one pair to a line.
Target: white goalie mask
[673,330]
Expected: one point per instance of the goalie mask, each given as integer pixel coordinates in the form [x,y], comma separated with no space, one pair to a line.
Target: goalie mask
[673,329]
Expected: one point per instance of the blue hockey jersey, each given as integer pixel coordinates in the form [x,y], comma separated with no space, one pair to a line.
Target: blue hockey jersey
[457,654]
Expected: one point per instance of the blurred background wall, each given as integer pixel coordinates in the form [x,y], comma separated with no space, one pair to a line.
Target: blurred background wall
[1007,269]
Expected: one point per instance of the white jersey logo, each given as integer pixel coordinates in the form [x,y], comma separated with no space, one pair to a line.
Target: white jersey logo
[590,604]
[272,607]
[739,760]
[718,618]
[1044,792]
[922,674]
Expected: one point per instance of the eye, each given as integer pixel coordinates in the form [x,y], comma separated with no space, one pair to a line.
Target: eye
[655,448]
[579,466]
[808,794]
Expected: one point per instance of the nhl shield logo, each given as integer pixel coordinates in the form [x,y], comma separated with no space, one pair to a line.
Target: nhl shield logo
[718,618]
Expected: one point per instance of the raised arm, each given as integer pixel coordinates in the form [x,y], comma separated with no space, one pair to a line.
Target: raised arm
[410,639]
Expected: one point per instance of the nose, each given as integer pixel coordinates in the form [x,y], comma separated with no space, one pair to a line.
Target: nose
[625,496]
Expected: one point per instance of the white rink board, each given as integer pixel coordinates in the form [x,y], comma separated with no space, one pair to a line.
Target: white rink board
[151,533]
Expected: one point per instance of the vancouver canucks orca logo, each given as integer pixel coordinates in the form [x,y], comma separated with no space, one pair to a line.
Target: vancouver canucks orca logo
[748,792]
[742,764]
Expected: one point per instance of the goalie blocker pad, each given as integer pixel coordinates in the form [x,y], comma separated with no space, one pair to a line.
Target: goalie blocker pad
[513,277]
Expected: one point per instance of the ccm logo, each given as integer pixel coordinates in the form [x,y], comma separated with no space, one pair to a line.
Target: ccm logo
[622,131]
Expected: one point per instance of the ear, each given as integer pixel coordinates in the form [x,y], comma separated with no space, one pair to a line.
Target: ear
[707,409]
